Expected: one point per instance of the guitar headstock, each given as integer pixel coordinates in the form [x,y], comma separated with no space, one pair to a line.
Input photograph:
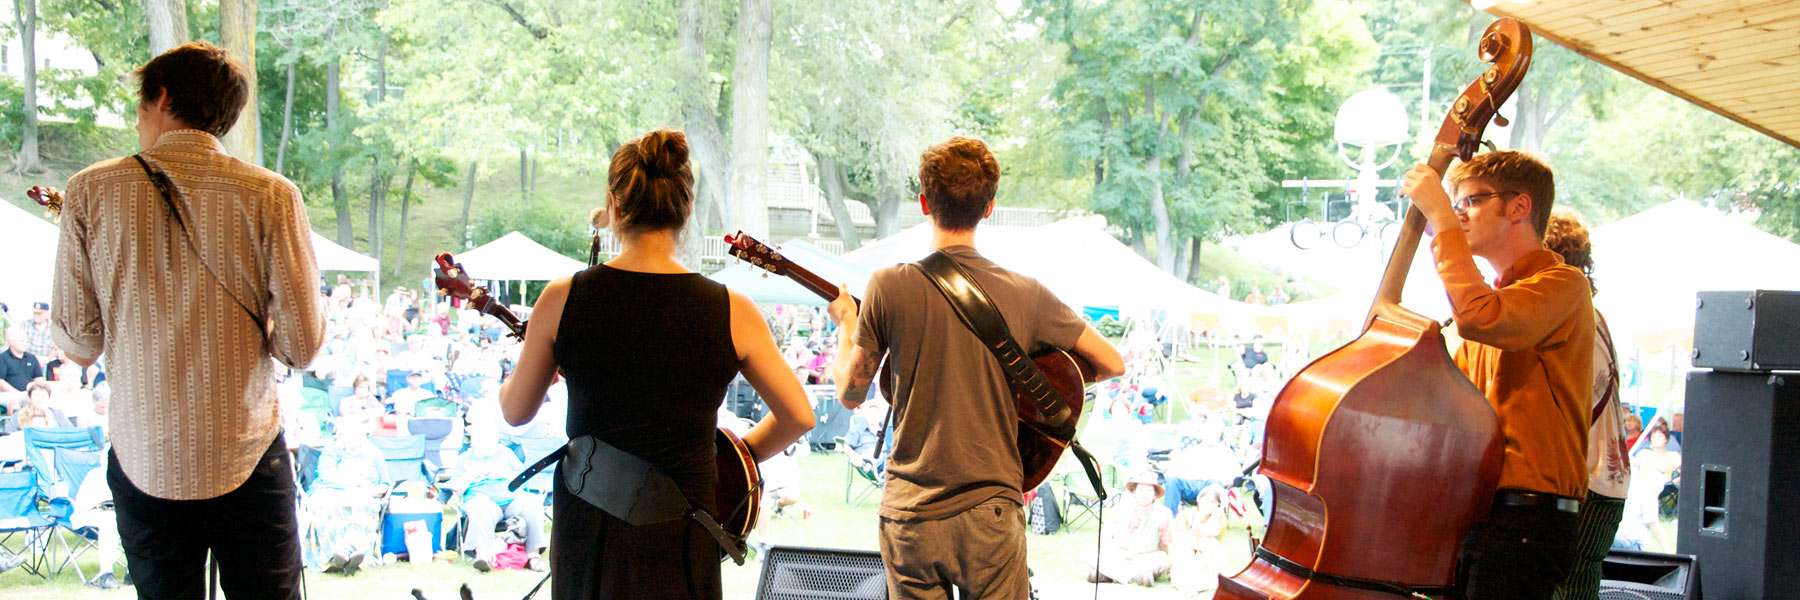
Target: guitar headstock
[50,198]
[749,250]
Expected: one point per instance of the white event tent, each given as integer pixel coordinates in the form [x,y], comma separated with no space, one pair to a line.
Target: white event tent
[330,256]
[30,242]
[514,257]
[765,288]
[1649,266]
[1081,263]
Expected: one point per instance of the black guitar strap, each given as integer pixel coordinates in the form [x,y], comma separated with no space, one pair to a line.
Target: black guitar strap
[164,186]
[977,311]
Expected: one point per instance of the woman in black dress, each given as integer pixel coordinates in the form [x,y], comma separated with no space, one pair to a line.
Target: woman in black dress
[648,348]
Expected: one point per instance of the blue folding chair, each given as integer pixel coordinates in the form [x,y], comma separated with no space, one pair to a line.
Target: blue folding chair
[436,431]
[530,450]
[21,519]
[66,456]
[405,457]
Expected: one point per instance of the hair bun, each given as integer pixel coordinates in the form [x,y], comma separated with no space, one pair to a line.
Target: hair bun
[664,151]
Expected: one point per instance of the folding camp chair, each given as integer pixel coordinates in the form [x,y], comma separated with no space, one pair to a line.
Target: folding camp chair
[21,520]
[437,431]
[854,493]
[65,457]
[1079,495]
[405,457]
[530,449]
[437,407]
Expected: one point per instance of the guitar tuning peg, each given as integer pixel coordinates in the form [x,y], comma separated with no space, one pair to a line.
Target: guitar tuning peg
[765,275]
[1500,121]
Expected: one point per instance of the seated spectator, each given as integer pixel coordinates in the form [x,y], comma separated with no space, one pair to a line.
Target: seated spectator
[1245,397]
[487,466]
[361,406]
[39,409]
[93,508]
[18,369]
[862,441]
[405,398]
[1253,356]
[1136,552]
[1208,463]
[1196,550]
[341,514]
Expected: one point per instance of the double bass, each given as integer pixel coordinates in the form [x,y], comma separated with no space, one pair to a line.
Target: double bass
[1382,454]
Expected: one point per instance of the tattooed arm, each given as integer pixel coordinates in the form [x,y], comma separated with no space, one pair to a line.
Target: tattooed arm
[853,369]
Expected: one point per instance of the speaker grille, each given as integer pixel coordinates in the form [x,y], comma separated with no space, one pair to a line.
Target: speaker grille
[791,573]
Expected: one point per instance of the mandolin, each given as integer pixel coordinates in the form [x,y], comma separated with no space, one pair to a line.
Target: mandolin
[1041,444]
[739,494]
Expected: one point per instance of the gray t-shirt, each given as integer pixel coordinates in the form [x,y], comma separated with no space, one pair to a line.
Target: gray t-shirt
[956,425]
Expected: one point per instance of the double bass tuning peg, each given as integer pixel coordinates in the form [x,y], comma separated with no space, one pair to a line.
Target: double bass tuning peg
[1501,121]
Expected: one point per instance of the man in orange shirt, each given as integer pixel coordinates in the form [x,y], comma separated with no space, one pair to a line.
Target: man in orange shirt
[1528,345]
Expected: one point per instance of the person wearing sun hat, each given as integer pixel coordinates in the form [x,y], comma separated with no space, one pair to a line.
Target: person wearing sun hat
[1137,550]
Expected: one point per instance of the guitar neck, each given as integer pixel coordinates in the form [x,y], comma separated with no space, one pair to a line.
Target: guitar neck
[813,283]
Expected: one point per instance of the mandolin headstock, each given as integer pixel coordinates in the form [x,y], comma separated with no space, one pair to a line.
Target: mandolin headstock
[50,198]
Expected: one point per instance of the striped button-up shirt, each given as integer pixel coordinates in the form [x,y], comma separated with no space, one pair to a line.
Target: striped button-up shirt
[193,404]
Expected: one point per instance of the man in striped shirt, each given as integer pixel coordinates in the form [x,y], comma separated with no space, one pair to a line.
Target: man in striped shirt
[190,269]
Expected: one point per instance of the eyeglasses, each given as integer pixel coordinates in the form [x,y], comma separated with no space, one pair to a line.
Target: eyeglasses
[1461,205]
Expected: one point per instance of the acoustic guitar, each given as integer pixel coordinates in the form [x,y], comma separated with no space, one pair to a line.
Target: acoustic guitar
[1041,444]
[739,493]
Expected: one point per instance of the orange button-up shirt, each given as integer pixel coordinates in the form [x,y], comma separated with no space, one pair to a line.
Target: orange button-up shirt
[1528,344]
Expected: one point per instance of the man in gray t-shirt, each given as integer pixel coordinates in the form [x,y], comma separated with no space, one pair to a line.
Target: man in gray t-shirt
[951,510]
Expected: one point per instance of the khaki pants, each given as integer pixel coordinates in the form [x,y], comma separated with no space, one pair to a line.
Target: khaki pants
[981,550]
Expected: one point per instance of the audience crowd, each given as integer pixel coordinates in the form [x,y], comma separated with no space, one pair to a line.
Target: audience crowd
[398,419]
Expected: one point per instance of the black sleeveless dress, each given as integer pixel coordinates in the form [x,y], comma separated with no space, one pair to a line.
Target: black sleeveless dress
[648,357]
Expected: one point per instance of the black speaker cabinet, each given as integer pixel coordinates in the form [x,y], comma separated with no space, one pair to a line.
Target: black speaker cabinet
[1646,576]
[795,573]
[1740,483]
[1747,331]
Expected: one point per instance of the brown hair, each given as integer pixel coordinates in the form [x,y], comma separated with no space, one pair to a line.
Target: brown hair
[32,412]
[206,88]
[652,182]
[1513,171]
[39,385]
[958,179]
[1568,237]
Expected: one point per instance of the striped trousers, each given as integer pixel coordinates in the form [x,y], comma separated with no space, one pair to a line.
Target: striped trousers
[1600,516]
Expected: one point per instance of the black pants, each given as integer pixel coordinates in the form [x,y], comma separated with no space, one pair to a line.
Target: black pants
[1519,553]
[252,532]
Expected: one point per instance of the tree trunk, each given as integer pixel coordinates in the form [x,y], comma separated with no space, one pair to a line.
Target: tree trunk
[167,20]
[534,172]
[378,188]
[468,200]
[340,200]
[889,197]
[1198,244]
[750,117]
[1181,260]
[406,200]
[524,177]
[1137,242]
[706,143]
[832,176]
[1159,210]
[237,34]
[287,118]
[25,16]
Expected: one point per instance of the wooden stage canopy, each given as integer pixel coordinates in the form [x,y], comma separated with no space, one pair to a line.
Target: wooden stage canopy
[1738,58]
